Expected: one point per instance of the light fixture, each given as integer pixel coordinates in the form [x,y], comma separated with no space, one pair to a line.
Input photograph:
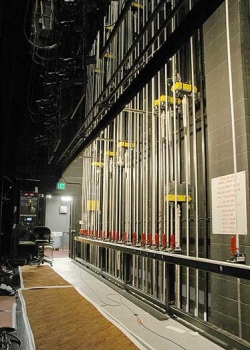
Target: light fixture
[66,199]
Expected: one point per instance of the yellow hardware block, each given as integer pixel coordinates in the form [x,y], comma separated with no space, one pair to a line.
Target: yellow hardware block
[110,153]
[108,55]
[178,198]
[156,102]
[169,99]
[96,70]
[183,87]
[93,205]
[109,27]
[126,144]
[97,164]
[136,4]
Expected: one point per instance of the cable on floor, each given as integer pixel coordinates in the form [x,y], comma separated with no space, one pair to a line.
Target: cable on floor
[119,303]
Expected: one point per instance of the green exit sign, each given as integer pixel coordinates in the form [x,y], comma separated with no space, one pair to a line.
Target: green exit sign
[60,186]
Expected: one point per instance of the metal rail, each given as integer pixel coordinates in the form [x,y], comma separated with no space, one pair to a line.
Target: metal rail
[215,266]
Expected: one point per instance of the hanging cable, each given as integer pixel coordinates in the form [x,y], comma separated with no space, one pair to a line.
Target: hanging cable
[50,47]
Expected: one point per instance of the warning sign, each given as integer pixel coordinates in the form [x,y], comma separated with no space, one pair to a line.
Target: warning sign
[229,215]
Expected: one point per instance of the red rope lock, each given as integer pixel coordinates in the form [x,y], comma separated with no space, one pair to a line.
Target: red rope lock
[116,236]
[124,237]
[157,239]
[134,238]
[143,238]
[164,240]
[149,239]
[233,245]
[172,242]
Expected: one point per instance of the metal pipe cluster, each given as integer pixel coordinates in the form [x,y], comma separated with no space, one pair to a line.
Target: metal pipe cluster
[144,179]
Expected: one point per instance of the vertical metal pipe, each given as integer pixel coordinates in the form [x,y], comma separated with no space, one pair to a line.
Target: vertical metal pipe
[175,173]
[195,167]
[111,174]
[116,179]
[168,164]
[113,209]
[153,149]
[137,160]
[185,114]
[234,156]
[105,181]
[120,164]
[204,165]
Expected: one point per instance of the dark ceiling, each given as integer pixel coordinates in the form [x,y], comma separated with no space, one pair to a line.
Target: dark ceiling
[43,77]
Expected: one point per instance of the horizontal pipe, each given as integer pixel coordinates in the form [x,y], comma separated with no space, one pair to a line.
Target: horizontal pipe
[215,266]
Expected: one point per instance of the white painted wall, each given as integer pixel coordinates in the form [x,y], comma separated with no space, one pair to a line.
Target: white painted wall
[56,221]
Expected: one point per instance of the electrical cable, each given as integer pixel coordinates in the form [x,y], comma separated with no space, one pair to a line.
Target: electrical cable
[161,336]
[50,47]
[141,323]
[45,58]
[29,98]
[119,303]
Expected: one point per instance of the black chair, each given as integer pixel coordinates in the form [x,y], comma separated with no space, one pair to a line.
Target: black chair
[43,243]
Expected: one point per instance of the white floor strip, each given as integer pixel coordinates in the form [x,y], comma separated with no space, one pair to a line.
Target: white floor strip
[26,322]
[119,325]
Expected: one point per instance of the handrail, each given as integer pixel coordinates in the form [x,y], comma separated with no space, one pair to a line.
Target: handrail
[208,265]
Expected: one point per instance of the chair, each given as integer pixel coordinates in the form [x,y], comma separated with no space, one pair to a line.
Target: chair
[43,242]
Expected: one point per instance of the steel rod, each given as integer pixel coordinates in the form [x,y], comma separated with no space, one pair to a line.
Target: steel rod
[203,264]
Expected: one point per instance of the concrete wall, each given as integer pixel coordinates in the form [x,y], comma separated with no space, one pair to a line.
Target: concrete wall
[227,299]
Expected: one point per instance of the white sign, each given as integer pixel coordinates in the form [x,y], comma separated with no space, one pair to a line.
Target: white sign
[229,214]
